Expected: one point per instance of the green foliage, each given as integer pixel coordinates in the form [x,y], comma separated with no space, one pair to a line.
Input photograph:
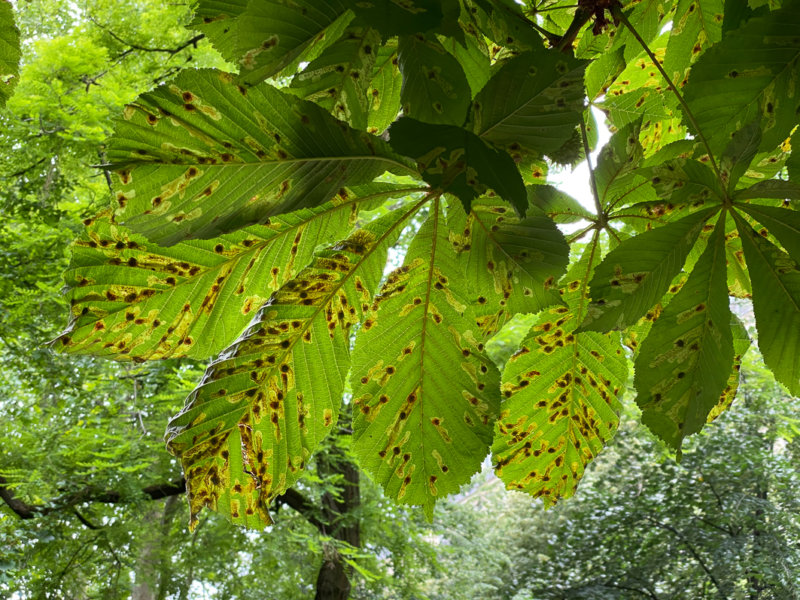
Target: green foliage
[269,183]
[9,52]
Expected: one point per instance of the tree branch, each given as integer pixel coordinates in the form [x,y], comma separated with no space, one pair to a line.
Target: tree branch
[291,498]
[692,551]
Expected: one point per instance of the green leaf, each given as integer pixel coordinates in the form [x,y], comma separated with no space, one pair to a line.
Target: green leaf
[739,153]
[602,72]
[633,336]
[557,205]
[473,56]
[532,104]
[424,391]
[459,162]
[647,18]
[741,343]
[771,189]
[752,72]
[793,162]
[219,21]
[9,52]
[511,264]
[399,17]
[435,88]
[249,428]
[383,93]
[503,22]
[697,26]
[618,182]
[133,300]
[561,393]
[274,34]
[634,276]
[338,79]
[640,92]
[202,156]
[783,223]
[684,363]
[776,303]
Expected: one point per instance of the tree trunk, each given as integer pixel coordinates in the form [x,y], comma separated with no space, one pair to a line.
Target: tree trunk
[145,582]
[151,578]
[333,579]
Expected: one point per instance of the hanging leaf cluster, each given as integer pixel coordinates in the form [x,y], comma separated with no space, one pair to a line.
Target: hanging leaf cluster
[254,214]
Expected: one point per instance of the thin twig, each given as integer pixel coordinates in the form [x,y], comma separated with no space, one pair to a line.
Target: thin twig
[576,236]
[598,207]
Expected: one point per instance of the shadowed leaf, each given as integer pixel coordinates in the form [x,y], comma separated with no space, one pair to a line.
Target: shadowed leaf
[435,89]
[273,34]
[532,104]
[393,18]
[459,162]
